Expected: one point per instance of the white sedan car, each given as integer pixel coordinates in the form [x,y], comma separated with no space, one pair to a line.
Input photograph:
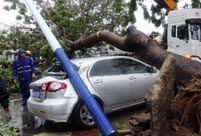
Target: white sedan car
[116,82]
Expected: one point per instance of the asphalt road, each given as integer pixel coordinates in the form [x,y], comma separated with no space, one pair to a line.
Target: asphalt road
[30,125]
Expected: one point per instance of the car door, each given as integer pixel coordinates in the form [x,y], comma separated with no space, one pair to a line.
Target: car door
[178,40]
[139,78]
[194,41]
[107,80]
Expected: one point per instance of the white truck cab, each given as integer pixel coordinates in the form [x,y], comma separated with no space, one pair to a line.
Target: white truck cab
[184,33]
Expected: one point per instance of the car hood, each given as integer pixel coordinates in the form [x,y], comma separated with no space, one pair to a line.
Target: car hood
[42,80]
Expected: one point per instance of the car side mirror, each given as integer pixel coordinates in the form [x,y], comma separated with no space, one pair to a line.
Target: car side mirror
[152,69]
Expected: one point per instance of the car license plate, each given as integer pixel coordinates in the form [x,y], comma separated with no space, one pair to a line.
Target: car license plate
[36,94]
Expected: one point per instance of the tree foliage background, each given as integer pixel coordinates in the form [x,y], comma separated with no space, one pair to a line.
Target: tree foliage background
[71,19]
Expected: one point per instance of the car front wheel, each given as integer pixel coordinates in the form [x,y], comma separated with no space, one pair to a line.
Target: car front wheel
[82,117]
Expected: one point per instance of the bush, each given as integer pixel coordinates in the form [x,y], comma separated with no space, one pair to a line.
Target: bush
[6,74]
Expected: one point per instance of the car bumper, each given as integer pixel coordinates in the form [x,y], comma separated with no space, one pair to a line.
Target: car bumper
[58,110]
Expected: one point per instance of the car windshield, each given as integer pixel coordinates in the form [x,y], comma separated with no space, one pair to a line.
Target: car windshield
[57,71]
[57,67]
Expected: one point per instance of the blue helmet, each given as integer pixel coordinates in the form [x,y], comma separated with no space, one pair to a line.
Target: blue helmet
[20,51]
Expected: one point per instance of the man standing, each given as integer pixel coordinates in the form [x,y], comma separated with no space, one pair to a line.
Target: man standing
[24,70]
[4,96]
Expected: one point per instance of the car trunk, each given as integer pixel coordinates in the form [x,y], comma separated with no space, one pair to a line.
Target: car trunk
[38,94]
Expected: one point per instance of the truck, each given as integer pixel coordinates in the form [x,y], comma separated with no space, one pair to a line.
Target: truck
[182,33]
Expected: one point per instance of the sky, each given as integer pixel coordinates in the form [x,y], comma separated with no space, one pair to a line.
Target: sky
[147,27]
[8,18]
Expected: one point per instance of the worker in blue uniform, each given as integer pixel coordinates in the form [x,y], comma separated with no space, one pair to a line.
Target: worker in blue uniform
[23,70]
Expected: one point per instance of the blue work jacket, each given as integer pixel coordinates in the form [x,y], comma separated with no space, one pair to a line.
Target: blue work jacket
[23,69]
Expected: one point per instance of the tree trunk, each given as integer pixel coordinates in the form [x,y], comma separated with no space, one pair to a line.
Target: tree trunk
[145,49]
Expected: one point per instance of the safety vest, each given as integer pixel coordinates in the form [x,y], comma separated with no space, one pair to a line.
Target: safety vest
[23,68]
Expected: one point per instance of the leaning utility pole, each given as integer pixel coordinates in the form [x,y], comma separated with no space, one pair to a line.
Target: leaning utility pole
[102,122]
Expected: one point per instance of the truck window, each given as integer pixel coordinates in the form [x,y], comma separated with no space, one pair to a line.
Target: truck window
[165,33]
[174,31]
[182,32]
[195,32]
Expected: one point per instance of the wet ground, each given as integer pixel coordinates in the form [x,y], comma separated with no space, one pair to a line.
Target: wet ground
[27,124]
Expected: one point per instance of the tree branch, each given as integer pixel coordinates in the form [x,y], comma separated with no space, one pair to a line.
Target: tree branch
[144,48]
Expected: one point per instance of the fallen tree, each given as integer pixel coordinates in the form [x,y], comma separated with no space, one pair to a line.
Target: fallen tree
[144,48]
[186,110]
[170,113]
